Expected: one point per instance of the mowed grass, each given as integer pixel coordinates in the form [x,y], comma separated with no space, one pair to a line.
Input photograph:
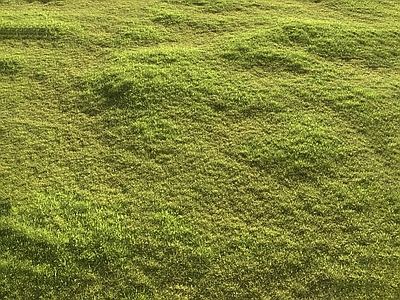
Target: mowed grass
[198,149]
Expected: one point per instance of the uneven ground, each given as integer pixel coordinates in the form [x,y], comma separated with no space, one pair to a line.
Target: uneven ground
[199,149]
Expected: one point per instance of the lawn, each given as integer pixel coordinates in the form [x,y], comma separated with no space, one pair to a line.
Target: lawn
[200,149]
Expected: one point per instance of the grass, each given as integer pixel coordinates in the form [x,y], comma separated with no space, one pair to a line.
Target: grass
[195,149]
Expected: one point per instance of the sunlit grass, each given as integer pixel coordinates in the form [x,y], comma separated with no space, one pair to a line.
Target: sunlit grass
[195,149]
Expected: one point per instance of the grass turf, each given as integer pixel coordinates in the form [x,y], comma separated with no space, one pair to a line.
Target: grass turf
[196,149]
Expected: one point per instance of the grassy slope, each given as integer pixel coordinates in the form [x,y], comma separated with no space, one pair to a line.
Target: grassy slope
[195,149]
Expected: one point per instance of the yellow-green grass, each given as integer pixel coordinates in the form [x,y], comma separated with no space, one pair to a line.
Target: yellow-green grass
[198,149]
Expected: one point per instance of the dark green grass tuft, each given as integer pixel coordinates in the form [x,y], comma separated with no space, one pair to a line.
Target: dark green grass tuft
[29,32]
[32,31]
[306,151]
[142,35]
[10,65]
[219,6]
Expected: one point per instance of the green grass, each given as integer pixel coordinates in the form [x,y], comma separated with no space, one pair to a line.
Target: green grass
[198,149]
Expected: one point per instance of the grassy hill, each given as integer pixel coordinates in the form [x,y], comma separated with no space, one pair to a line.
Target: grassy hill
[199,149]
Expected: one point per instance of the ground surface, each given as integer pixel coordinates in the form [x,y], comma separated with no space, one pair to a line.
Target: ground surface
[198,149]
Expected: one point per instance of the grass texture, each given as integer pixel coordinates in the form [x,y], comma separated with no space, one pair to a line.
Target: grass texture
[198,149]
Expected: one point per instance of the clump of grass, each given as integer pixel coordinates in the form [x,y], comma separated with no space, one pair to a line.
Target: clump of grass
[143,79]
[271,46]
[172,16]
[218,6]
[33,31]
[167,77]
[255,49]
[335,42]
[308,151]
[168,16]
[10,65]
[142,35]
[141,87]
[366,10]
[30,1]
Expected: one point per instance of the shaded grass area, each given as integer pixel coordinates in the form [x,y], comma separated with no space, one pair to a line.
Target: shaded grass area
[199,149]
